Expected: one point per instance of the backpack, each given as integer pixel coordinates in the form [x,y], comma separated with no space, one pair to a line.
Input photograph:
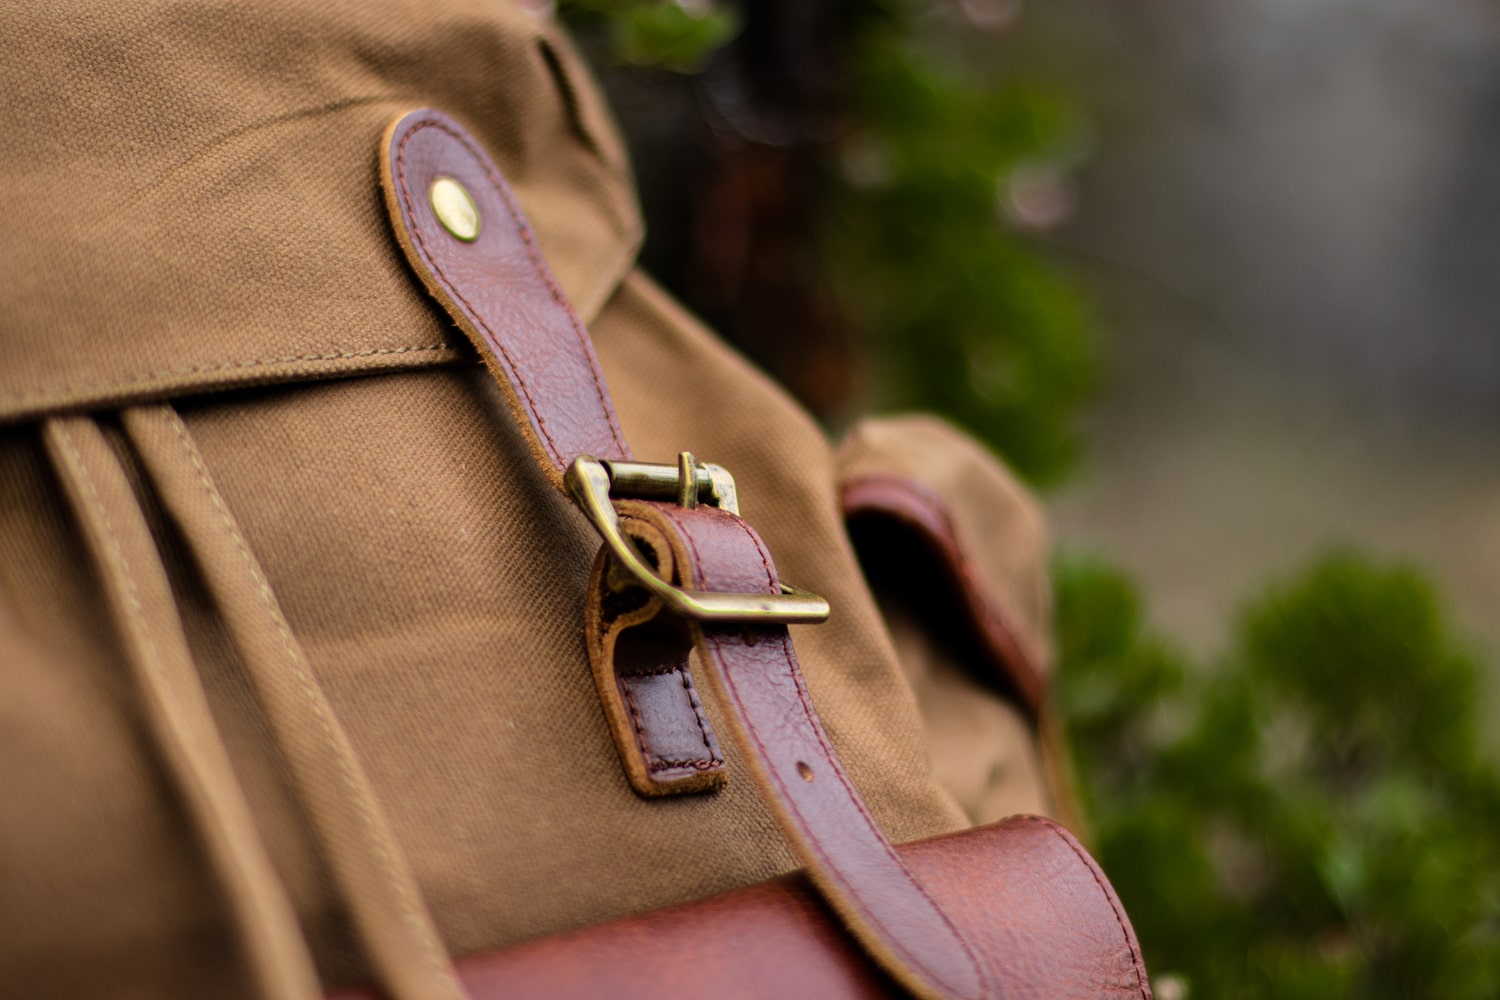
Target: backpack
[297,622]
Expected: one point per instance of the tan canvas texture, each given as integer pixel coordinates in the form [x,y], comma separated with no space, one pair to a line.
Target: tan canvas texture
[293,687]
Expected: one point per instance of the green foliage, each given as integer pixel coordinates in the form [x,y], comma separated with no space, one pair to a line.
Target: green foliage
[1312,817]
[964,312]
[968,316]
[661,34]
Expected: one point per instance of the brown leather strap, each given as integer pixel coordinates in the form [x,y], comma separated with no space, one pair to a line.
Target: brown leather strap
[774,939]
[753,672]
[500,292]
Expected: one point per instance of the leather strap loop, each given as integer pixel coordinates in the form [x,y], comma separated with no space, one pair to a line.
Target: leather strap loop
[499,291]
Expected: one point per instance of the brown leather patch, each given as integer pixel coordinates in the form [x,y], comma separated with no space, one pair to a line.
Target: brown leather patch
[661,728]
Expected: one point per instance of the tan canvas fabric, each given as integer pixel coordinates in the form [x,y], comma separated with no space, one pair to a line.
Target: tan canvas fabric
[292,678]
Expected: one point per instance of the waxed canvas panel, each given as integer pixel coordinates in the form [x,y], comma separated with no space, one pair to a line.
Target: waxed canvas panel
[191,193]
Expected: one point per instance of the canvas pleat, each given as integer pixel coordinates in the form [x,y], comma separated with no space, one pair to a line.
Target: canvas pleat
[145,616]
[369,866]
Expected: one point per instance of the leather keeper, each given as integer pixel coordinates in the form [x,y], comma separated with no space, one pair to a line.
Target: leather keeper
[641,678]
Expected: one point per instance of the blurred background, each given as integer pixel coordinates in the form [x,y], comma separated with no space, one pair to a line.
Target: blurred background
[1222,282]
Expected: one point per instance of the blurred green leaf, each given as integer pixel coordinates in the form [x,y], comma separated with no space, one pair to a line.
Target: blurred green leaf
[1322,822]
[662,34]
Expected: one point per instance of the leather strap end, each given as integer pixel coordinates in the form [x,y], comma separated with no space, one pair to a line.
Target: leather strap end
[481,262]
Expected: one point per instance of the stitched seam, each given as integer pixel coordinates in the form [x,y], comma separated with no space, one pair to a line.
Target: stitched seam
[635,718]
[1135,956]
[700,764]
[693,700]
[153,653]
[26,397]
[854,797]
[658,672]
[537,265]
[132,593]
[307,689]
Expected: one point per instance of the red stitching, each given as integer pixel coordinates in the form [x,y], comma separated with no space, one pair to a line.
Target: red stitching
[693,700]
[545,273]
[700,764]
[478,318]
[635,718]
[658,672]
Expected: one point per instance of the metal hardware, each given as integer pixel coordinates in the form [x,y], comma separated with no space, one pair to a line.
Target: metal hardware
[454,208]
[593,483]
[687,480]
[649,481]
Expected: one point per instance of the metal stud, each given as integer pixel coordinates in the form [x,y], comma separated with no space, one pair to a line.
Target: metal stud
[454,209]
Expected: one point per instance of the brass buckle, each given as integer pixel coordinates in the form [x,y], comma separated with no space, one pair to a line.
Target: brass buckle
[594,483]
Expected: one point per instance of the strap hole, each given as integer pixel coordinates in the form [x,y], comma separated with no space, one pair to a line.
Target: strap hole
[805,771]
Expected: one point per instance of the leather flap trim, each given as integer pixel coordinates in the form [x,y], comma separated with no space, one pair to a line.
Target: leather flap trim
[1048,921]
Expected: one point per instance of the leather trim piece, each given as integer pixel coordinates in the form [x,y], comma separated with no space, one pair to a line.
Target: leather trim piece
[1059,932]
[642,681]
[910,506]
[500,292]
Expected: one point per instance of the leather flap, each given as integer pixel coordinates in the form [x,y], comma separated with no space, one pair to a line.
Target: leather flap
[1045,920]
[192,193]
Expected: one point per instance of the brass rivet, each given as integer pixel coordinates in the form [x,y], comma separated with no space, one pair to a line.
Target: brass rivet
[454,208]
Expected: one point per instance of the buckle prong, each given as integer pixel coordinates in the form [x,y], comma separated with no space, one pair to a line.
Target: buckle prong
[594,483]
